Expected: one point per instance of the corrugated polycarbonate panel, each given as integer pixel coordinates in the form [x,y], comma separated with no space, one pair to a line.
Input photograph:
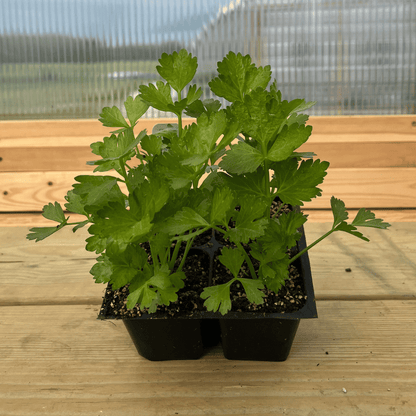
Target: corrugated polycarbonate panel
[70,58]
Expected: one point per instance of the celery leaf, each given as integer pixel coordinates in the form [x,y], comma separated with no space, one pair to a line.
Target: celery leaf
[135,108]
[112,117]
[232,259]
[178,69]
[297,185]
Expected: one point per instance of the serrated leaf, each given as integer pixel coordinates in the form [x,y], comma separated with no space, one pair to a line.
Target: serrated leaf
[299,119]
[290,138]
[116,150]
[75,203]
[169,166]
[211,105]
[257,118]
[296,185]
[238,76]
[149,198]
[54,212]
[253,291]
[232,259]
[40,233]
[241,158]
[286,227]
[222,203]
[350,229]
[249,183]
[208,106]
[152,144]
[178,69]
[200,138]
[96,243]
[250,222]
[161,278]
[136,176]
[195,109]
[177,279]
[193,94]
[166,130]
[217,298]
[366,218]
[97,191]
[102,270]
[112,117]
[302,106]
[135,108]
[178,106]
[338,211]
[184,220]
[274,274]
[158,96]
[160,244]
[122,225]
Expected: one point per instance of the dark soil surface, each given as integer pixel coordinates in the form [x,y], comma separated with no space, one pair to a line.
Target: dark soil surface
[290,297]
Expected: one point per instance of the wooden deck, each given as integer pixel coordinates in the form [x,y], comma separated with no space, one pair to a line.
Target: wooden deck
[357,358]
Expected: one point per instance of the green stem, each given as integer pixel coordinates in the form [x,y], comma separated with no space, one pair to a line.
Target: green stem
[248,261]
[311,245]
[156,263]
[266,178]
[175,254]
[187,248]
[180,116]
[75,223]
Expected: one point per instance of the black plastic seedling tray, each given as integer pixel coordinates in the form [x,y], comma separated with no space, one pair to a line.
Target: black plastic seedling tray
[244,335]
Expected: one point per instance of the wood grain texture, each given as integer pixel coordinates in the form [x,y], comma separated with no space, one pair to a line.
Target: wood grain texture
[62,360]
[69,128]
[366,154]
[24,219]
[369,188]
[56,270]
[327,125]
[346,141]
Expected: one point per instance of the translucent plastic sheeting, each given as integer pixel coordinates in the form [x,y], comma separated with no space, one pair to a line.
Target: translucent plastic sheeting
[70,58]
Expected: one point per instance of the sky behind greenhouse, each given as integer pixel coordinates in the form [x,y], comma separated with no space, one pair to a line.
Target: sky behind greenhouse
[112,20]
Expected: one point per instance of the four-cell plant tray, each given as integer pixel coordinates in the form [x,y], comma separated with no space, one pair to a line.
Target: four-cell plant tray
[244,335]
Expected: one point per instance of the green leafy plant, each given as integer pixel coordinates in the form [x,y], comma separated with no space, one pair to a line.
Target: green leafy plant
[222,172]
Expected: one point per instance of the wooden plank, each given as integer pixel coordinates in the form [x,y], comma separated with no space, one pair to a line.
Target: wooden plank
[345,141]
[357,124]
[367,154]
[390,124]
[370,188]
[356,358]
[56,270]
[30,191]
[385,266]
[13,129]
[37,159]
